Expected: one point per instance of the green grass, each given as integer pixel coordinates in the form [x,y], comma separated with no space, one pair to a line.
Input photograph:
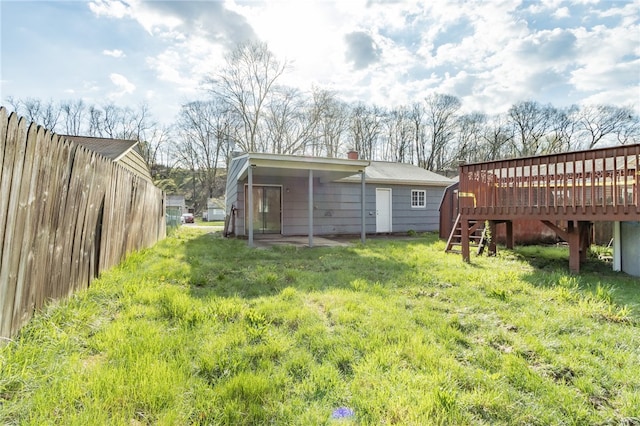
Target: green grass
[203,330]
[200,222]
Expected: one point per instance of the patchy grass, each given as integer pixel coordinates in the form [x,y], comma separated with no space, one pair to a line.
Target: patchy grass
[202,330]
[201,222]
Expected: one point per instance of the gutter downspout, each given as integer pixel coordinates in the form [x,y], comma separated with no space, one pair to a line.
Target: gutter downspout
[310,208]
[250,203]
[362,208]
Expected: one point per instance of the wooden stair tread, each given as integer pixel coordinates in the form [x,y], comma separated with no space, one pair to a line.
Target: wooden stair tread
[477,237]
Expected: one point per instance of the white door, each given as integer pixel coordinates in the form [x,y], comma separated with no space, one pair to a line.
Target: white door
[383,209]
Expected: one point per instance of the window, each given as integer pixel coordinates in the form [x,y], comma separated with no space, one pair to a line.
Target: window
[418,198]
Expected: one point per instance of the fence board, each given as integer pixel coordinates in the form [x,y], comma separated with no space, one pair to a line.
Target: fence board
[26,211]
[9,146]
[8,149]
[38,271]
[14,224]
[3,137]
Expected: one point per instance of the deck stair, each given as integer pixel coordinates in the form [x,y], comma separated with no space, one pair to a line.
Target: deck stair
[477,236]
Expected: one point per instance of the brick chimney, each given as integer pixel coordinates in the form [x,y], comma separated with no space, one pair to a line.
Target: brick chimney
[352,155]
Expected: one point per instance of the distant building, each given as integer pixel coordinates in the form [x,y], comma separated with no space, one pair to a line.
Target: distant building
[174,208]
[215,210]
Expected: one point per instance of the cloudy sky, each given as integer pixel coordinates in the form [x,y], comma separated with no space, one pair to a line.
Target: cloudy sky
[491,54]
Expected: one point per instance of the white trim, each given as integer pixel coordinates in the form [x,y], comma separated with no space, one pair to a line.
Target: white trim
[390,192]
[121,156]
[292,162]
[246,199]
[424,199]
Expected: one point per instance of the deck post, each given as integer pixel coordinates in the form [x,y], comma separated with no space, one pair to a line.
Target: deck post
[584,228]
[573,238]
[492,241]
[510,239]
[465,240]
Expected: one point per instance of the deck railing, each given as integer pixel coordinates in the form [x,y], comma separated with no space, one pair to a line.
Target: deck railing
[599,184]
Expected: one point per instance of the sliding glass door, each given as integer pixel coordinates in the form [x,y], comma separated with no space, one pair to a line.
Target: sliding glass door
[267,209]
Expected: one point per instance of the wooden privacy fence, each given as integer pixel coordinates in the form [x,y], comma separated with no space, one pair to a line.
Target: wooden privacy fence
[66,214]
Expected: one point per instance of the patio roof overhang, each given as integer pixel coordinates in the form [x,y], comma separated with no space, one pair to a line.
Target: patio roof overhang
[327,169]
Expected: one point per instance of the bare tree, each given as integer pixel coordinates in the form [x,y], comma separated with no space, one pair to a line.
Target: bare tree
[564,130]
[469,137]
[290,122]
[600,121]
[332,117]
[203,128]
[245,84]
[111,118]
[417,117]
[95,121]
[497,137]
[441,119]
[531,123]
[629,133]
[73,113]
[399,135]
[152,144]
[45,114]
[365,127]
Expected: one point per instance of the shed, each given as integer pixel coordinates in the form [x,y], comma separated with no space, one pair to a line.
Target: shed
[215,209]
[175,206]
[296,195]
[121,151]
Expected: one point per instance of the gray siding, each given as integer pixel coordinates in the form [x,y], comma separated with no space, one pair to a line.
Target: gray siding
[337,206]
[233,186]
[406,218]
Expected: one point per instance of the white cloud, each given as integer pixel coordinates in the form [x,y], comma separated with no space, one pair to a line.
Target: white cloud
[167,67]
[123,85]
[608,66]
[115,53]
[562,12]
[110,8]
[155,21]
[152,20]
[90,86]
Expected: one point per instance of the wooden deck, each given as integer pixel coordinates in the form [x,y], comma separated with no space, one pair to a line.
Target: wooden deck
[567,192]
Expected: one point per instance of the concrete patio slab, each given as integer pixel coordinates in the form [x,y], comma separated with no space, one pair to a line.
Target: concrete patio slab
[267,241]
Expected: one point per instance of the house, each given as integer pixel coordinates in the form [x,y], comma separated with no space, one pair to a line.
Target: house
[297,195]
[175,206]
[123,152]
[566,192]
[215,210]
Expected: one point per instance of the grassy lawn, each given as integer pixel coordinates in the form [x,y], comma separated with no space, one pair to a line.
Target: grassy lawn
[201,222]
[203,330]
